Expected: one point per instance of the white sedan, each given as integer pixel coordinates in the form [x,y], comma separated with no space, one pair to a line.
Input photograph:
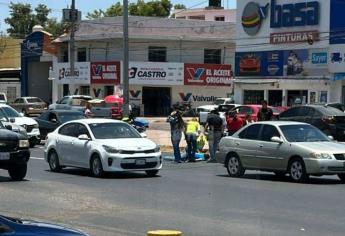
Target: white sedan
[101,145]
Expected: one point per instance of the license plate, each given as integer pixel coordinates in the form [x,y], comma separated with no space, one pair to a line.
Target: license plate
[140,162]
[4,156]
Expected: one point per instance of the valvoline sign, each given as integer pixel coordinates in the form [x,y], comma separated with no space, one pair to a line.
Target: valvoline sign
[208,74]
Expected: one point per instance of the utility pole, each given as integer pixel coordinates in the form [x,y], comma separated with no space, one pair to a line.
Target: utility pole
[125,60]
[74,16]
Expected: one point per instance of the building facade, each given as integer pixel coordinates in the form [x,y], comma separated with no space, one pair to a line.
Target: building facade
[282,52]
[171,61]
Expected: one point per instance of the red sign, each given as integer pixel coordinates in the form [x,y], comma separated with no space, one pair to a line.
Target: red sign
[208,74]
[294,37]
[105,72]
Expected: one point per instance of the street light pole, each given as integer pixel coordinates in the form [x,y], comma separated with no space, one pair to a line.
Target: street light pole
[125,60]
[72,47]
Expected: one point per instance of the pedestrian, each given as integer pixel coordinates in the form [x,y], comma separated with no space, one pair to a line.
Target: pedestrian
[176,128]
[248,120]
[214,126]
[88,113]
[192,129]
[234,123]
[265,113]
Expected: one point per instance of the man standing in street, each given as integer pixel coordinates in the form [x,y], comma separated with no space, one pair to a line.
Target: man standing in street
[265,113]
[215,128]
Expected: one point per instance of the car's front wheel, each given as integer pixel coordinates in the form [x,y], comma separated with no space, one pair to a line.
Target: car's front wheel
[96,166]
[342,177]
[54,163]
[234,166]
[152,173]
[297,170]
[17,172]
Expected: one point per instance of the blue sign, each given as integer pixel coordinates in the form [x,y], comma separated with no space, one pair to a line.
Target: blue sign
[32,45]
[291,15]
[319,58]
[337,24]
[339,76]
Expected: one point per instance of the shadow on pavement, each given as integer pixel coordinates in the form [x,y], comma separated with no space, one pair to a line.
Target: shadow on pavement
[286,179]
[119,175]
[8,179]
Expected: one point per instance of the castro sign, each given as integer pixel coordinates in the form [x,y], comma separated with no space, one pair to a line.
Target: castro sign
[155,73]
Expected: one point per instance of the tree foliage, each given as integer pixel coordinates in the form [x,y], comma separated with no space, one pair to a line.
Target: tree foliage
[179,6]
[22,18]
[158,8]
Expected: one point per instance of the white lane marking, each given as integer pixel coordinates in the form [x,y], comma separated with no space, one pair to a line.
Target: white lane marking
[37,158]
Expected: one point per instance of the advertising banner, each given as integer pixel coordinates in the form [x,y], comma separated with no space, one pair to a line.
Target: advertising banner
[155,73]
[337,59]
[105,72]
[289,63]
[81,73]
[208,74]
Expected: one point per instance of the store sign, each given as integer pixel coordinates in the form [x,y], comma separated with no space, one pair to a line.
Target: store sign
[135,95]
[155,73]
[252,17]
[294,37]
[319,58]
[337,59]
[189,97]
[32,46]
[293,15]
[105,72]
[208,74]
[81,73]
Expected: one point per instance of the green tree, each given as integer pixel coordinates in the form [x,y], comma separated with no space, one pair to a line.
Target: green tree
[55,27]
[159,8]
[179,6]
[41,16]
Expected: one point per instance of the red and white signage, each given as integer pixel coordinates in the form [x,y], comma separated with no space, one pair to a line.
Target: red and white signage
[105,72]
[208,74]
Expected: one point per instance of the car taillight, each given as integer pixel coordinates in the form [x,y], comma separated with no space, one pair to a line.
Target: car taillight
[329,120]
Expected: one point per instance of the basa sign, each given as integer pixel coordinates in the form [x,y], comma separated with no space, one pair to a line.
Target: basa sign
[208,74]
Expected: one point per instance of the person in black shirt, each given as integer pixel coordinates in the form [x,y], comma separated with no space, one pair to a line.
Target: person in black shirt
[265,113]
[215,128]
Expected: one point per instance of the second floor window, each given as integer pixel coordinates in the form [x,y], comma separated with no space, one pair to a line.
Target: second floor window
[158,54]
[212,56]
[63,55]
[81,54]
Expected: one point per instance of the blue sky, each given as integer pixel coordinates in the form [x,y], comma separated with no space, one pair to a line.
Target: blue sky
[89,5]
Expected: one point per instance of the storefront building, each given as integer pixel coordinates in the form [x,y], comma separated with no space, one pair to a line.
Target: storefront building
[171,61]
[282,52]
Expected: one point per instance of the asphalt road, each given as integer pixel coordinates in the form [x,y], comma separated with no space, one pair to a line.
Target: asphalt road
[196,198]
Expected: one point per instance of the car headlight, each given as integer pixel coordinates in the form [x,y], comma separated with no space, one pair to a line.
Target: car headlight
[31,108]
[36,126]
[110,149]
[321,156]
[157,148]
[23,143]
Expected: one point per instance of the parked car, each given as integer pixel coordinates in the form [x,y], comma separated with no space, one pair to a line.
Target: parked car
[253,110]
[29,124]
[20,227]
[282,147]
[221,108]
[328,119]
[100,109]
[73,102]
[50,120]
[339,106]
[3,98]
[29,105]
[14,153]
[101,145]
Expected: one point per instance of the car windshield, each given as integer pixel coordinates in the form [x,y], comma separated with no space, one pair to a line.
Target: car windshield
[3,116]
[330,111]
[10,112]
[34,100]
[219,101]
[303,133]
[2,97]
[1,125]
[113,131]
[79,101]
[64,117]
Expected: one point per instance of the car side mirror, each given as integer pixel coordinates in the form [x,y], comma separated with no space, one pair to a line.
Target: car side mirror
[12,120]
[21,114]
[143,135]
[9,127]
[276,139]
[83,137]
[331,137]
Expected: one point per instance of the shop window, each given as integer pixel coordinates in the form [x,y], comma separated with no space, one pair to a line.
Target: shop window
[158,54]
[85,90]
[219,18]
[212,56]
[81,54]
[253,96]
